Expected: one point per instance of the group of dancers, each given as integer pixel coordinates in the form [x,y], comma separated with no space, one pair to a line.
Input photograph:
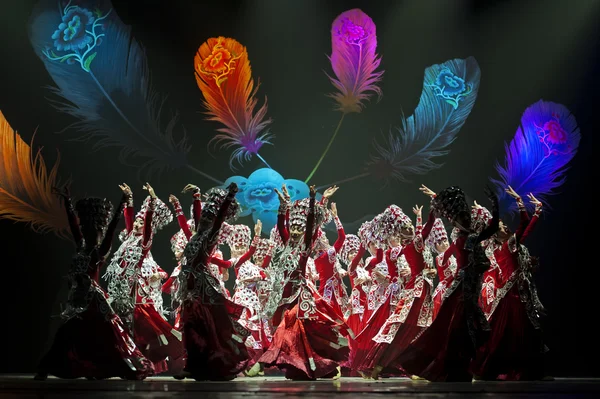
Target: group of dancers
[423,304]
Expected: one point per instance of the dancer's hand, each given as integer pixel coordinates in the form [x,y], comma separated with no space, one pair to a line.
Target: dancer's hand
[126,189]
[427,191]
[150,190]
[405,272]
[333,207]
[476,205]
[418,210]
[313,191]
[330,191]
[512,193]
[173,199]
[258,228]
[190,187]
[534,200]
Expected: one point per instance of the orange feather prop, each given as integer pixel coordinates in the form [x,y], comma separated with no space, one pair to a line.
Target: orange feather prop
[224,76]
[26,186]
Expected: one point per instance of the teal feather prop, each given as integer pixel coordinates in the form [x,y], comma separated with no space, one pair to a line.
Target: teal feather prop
[448,96]
[103,80]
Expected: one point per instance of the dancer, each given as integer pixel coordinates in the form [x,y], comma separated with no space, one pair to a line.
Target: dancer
[134,282]
[213,337]
[331,286]
[444,350]
[515,350]
[438,243]
[414,310]
[308,343]
[352,254]
[93,341]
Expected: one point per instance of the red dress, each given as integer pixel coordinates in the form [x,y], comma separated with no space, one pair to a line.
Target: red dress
[331,287]
[515,350]
[446,271]
[413,312]
[93,342]
[358,297]
[213,337]
[308,343]
[444,350]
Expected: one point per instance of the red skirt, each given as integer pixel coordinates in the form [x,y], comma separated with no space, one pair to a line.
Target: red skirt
[386,355]
[156,338]
[214,341]
[306,348]
[95,345]
[444,350]
[515,350]
[363,342]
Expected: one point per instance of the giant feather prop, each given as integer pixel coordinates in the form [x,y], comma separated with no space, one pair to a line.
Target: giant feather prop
[537,157]
[354,62]
[102,73]
[26,185]
[448,96]
[224,76]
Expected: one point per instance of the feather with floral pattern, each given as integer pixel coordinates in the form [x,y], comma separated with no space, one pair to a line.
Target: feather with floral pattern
[538,155]
[26,185]
[224,76]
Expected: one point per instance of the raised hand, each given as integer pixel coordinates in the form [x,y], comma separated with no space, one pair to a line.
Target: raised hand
[534,200]
[150,190]
[330,191]
[190,187]
[285,192]
[512,193]
[126,189]
[232,188]
[313,191]
[427,191]
[173,199]
[280,195]
[417,210]
[258,228]
[476,205]
[333,207]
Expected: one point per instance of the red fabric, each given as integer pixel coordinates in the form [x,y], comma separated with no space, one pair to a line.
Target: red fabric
[92,346]
[515,350]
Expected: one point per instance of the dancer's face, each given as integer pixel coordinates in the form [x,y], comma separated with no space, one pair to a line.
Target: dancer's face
[503,232]
[352,255]
[258,259]
[372,249]
[407,232]
[240,248]
[138,225]
[442,246]
[296,233]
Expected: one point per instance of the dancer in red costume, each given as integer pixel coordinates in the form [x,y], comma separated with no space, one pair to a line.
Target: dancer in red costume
[93,342]
[443,352]
[133,275]
[438,243]
[178,243]
[213,337]
[414,310]
[331,286]
[515,350]
[308,343]
[352,254]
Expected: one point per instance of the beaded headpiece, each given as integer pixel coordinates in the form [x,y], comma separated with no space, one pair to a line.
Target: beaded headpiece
[213,199]
[451,204]
[394,220]
[480,218]
[351,244]
[179,240]
[299,213]
[239,235]
[275,237]
[161,217]
[438,234]
[262,247]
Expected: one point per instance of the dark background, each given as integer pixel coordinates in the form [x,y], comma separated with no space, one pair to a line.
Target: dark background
[527,50]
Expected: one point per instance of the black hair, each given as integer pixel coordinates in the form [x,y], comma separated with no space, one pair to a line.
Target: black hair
[451,203]
[93,214]
[213,199]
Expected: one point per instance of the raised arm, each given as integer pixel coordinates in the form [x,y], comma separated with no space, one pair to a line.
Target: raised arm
[283,214]
[376,260]
[128,211]
[356,261]
[533,221]
[65,194]
[493,227]
[112,228]
[147,235]
[181,218]
[340,229]
[197,204]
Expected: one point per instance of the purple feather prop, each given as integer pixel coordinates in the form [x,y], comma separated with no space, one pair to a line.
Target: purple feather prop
[354,60]
[538,155]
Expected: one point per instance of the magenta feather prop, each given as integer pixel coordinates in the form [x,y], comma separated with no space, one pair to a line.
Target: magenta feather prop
[537,157]
[354,60]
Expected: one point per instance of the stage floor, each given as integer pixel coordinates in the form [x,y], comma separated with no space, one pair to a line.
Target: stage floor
[23,387]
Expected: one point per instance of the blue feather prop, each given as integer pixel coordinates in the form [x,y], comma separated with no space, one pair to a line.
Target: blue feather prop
[449,93]
[537,157]
[102,72]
